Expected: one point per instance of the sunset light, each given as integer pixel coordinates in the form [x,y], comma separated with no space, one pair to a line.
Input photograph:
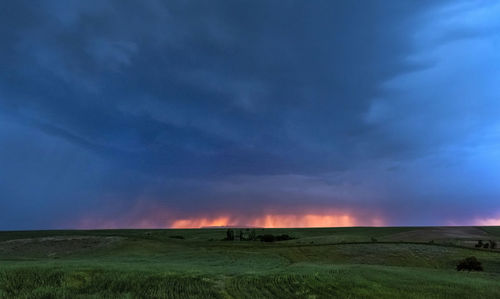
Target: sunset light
[277,221]
[164,219]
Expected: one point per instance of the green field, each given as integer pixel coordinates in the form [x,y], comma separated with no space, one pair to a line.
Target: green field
[398,262]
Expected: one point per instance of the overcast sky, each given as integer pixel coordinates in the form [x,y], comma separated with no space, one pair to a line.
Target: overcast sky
[151,113]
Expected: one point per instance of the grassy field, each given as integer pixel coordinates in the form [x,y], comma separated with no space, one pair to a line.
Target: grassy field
[398,262]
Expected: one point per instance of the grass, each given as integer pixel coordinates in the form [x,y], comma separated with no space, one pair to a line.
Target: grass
[43,283]
[319,263]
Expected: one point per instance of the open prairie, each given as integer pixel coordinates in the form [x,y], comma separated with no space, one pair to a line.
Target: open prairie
[409,262]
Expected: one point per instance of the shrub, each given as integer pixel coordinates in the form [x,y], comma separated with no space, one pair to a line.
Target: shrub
[470,264]
[283,237]
[177,237]
[374,240]
[493,244]
[486,245]
[479,244]
[272,238]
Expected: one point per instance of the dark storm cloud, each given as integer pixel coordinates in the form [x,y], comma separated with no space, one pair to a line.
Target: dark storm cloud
[168,102]
[266,74]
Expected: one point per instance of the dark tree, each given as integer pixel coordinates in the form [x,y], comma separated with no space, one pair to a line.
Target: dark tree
[493,244]
[252,236]
[486,245]
[469,264]
[479,244]
[230,235]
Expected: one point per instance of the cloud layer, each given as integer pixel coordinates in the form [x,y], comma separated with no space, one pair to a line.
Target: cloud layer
[122,112]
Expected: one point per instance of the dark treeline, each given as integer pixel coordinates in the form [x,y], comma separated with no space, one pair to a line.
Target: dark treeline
[251,235]
[491,244]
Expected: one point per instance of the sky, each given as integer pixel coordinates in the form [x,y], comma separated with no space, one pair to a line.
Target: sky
[170,114]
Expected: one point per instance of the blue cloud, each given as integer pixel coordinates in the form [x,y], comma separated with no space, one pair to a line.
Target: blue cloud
[386,105]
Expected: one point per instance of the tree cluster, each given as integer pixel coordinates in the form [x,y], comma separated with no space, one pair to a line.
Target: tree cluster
[491,244]
[247,235]
[250,235]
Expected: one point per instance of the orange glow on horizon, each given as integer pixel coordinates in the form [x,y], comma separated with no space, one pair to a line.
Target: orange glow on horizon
[201,222]
[275,221]
[145,216]
[488,222]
